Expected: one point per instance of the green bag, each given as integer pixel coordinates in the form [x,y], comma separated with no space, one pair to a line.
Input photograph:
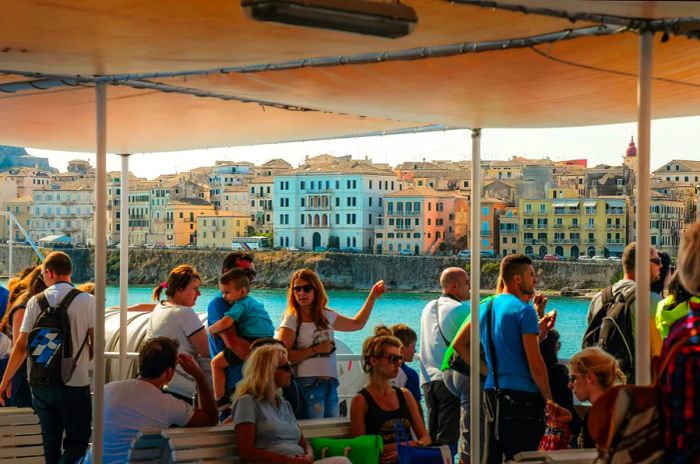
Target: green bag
[360,450]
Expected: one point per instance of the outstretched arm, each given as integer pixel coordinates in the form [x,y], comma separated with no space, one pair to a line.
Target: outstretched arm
[351,324]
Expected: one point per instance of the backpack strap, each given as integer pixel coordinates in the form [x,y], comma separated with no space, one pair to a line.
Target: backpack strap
[607,296]
[437,318]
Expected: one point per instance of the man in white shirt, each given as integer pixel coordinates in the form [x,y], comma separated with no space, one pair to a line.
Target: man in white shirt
[139,404]
[440,322]
[64,406]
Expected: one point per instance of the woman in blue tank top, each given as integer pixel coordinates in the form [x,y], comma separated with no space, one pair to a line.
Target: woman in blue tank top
[379,405]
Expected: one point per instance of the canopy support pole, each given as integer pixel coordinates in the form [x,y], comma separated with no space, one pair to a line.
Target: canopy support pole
[475,361]
[123,266]
[643,238]
[100,270]
[11,232]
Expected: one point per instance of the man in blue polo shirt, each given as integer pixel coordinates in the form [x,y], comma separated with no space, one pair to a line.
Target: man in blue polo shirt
[515,417]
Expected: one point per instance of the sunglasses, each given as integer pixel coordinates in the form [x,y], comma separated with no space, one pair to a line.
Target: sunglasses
[656,261]
[394,358]
[303,288]
[249,273]
[285,367]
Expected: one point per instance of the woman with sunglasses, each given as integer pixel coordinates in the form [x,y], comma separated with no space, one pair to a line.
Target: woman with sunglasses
[379,405]
[307,331]
[593,371]
[266,429]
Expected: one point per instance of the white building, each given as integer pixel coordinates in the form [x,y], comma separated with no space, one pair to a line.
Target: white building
[64,209]
[333,205]
[262,191]
[227,174]
[235,199]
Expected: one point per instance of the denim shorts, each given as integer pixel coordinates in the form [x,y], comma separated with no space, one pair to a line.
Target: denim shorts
[320,396]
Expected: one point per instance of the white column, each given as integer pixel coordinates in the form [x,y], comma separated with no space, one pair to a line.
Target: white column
[11,230]
[100,270]
[474,361]
[642,358]
[123,265]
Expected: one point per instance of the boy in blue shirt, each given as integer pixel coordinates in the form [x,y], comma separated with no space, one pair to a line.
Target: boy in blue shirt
[244,322]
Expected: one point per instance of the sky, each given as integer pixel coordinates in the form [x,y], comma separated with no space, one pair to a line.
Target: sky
[677,138]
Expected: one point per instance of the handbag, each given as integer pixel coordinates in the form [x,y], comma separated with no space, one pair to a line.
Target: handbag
[360,450]
[408,454]
[556,435]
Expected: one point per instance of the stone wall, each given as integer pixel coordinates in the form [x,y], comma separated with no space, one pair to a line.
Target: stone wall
[338,270]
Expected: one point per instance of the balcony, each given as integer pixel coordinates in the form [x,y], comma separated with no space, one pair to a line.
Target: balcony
[402,213]
[566,212]
[614,211]
[612,241]
[557,226]
[317,226]
[485,234]
[528,226]
[526,213]
[614,226]
[574,226]
[509,231]
[590,226]
[317,208]
[542,226]
[560,240]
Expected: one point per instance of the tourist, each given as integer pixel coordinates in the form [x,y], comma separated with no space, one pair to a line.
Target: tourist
[593,371]
[625,290]
[439,323]
[134,405]
[557,373]
[307,330]
[175,318]
[217,308]
[674,306]
[510,331]
[265,426]
[245,322]
[680,383]
[661,284]
[377,407]
[63,408]
[407,376]
[33,284]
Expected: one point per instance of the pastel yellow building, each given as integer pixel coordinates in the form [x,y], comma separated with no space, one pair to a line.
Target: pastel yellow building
[217,230]
[21,208]
[570,227]
[181,220]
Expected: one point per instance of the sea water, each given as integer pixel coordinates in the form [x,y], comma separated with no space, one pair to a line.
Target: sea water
[391,308]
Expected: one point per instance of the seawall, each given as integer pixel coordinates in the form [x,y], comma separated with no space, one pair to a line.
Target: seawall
[338,270]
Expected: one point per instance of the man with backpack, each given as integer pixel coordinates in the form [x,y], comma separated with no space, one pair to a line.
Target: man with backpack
[611,314]
[57,335]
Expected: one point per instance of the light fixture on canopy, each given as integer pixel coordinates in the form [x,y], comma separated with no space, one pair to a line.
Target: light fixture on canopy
[367,17]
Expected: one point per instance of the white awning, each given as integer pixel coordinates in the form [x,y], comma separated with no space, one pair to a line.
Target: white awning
[615,203]
[567,203]
[587,203]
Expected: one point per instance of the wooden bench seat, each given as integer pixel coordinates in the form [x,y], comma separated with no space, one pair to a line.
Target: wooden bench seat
[572,456]
[20,437]
[213,445]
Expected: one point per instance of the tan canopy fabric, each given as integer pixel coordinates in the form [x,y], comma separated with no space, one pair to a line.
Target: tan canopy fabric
[431,77]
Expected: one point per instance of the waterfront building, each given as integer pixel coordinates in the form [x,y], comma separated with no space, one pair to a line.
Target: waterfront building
[235,199]
[64,209]
[167,189]
[21,208]
[488,227]
[335,204]
[502,170]
[180,220]
[215,230]
[262,194]
[606,180]
[272,168]
[666,222]
[680,171]
[8,190]
[503,190]
[227,174]
[26,179]
[140,213]
[570,227]
[114,188]
[417,220]
[81,168]
[509,224]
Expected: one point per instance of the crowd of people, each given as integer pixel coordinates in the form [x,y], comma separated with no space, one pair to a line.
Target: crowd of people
[265,380]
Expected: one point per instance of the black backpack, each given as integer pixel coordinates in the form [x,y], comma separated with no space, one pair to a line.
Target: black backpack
[611,329]
[50,347]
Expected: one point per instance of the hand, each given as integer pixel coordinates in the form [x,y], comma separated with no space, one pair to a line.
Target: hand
[559,413]
[540,303]
[5,393]
[389,456]
[547,323]
[189,365]
[378,290]
[324,347]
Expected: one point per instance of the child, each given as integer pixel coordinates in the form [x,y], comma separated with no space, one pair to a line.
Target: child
[245,321]
[407,377]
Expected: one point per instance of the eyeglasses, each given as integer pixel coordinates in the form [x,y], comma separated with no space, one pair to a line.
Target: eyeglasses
[656,261]
[249,272]
[303,288]
[285,367]
[394,358]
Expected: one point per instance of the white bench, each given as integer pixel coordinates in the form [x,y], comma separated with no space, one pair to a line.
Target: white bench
[572,456]
[20,437]
[212,445]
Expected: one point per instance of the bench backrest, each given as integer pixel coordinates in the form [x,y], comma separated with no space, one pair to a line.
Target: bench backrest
[20,436]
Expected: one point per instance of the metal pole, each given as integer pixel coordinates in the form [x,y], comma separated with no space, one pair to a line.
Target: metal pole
[9,245]
[641,271]
[100,270]
[123,265]
[474,361]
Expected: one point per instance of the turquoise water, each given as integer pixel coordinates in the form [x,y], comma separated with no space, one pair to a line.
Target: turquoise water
[391,308]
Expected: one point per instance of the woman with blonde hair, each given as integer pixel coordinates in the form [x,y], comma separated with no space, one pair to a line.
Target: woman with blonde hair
[593,371]
[375,410]
[266,429]
[307,331]
[175,318]
[21,292]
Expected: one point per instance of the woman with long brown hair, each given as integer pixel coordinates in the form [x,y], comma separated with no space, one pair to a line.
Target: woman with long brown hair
[20,292]
[174,317]
[307,331]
